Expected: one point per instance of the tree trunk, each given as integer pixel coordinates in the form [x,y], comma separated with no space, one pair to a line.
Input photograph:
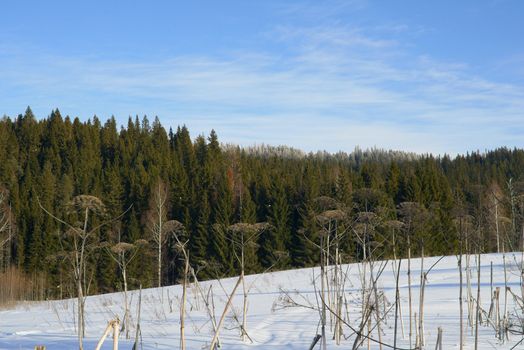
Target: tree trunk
[159,262]
[497,224]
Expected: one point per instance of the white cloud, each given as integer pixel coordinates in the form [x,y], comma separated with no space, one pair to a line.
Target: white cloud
[336,88]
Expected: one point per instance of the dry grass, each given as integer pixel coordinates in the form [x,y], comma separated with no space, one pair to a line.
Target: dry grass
[16,286]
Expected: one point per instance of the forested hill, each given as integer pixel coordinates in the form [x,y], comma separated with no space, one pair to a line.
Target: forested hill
[45,163]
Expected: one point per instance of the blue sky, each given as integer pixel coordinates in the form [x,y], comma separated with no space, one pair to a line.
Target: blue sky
[439,76]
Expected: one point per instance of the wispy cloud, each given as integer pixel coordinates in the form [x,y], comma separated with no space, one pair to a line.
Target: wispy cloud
[336,88]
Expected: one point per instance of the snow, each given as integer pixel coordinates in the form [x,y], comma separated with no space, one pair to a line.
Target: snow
[272,323]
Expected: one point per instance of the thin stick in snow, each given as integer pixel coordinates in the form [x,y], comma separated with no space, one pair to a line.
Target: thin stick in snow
[477,314]
[224,313]
[397,300]
[438,345]
[137,334]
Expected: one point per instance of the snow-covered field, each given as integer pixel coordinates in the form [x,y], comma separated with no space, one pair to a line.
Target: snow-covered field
[272,323]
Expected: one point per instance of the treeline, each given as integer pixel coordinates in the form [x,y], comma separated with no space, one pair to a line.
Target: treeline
[45,163]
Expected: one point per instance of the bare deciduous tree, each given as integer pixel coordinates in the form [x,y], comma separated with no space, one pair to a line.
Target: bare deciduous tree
[176,229]
[495,209]
[79,240]
[156,219]
[243,236]
[6,219]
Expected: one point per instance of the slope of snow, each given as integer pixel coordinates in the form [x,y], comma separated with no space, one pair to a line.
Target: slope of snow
[272,322]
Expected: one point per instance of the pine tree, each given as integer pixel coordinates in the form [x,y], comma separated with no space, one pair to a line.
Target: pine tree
[213,186]
[272,240]
[248,212]
[220,247]
[343,188]
[200,238]
[393,180]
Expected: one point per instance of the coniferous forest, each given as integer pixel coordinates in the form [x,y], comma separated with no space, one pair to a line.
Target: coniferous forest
[140,175]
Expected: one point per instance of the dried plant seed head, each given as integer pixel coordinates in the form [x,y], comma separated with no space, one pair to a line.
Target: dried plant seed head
[173,226]
[324,203]
[122,247]
[394,224]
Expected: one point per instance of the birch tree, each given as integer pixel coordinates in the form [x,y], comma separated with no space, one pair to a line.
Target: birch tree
[495,210]
[6,220]
[156,219]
